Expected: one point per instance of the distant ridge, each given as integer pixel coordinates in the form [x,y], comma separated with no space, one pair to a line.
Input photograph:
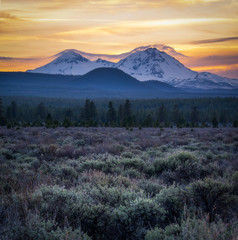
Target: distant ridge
[99,83]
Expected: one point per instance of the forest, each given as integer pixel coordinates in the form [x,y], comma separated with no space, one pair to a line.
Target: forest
[196,112]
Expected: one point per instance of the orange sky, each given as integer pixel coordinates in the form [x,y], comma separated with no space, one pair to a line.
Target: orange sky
[204,30]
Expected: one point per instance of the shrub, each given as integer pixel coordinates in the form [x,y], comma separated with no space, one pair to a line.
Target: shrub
[214,197]
[39,229]
[56,203]
[196,229]
[132,173]
[132,163]
[133,220]
[150,187]
[180,168]
[173,200]
[155,234]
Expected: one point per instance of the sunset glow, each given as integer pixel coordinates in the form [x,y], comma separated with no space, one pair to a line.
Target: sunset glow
[31,31]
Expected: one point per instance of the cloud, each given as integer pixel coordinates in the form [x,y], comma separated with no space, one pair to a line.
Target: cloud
[17,59]
[5,16]
[215,40]
[218,60]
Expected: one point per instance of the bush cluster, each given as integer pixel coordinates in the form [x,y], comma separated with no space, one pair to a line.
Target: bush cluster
[70,184]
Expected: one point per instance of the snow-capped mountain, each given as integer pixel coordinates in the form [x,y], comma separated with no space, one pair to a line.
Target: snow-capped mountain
[71,63]
[205,81]
[152,64]
[148,64]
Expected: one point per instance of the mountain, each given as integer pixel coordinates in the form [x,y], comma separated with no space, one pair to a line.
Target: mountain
[71,63]
[206,81]
[111,79]
[152,64]
[15,64]
[99,83]
[144,65]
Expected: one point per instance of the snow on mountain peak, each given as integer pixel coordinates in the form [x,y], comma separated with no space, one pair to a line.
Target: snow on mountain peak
[70,57]
[147,63]
[152,64]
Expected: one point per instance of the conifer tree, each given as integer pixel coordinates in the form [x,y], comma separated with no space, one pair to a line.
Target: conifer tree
[41,111]
[214,122]
[194,115]
[69,114]
[89,113]
[111,114]
[127,116]
[175,114]
[120,115]
[3,120]
[235,123]
[1,108]
[49,120]
[162,116]
[148,121]
[13,110]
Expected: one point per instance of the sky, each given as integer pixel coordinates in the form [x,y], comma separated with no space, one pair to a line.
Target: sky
[206,31]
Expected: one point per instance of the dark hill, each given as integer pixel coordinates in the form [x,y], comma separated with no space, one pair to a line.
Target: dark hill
[111,79]
[99,83]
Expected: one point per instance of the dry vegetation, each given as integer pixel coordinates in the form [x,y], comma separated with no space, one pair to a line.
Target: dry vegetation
[111,183]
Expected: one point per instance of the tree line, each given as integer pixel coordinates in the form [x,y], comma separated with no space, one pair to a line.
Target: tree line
[128,113]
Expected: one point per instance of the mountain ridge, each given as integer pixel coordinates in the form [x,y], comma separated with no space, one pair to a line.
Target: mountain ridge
[148,64]
[98,83]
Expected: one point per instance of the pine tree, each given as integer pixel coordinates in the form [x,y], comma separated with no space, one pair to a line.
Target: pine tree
[120,115]
[194,115]
[214,122]
[175,114]
[49,121]
[3,120]
[1,108]
[111,114]
[127,116]
[13,110]
[93,114]
[69,114]
[66,123]
[148,121]
[162,116]
[235,123]
[9,113]
[41,111]
[82,117]
[89,113]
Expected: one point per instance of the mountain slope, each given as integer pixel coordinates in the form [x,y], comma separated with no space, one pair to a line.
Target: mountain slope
[99,83]
[111,79]
[154,64]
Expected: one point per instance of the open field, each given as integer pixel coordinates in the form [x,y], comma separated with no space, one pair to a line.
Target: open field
[111,183]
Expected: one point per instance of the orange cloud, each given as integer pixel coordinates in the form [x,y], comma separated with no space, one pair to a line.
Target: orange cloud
[197,28]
